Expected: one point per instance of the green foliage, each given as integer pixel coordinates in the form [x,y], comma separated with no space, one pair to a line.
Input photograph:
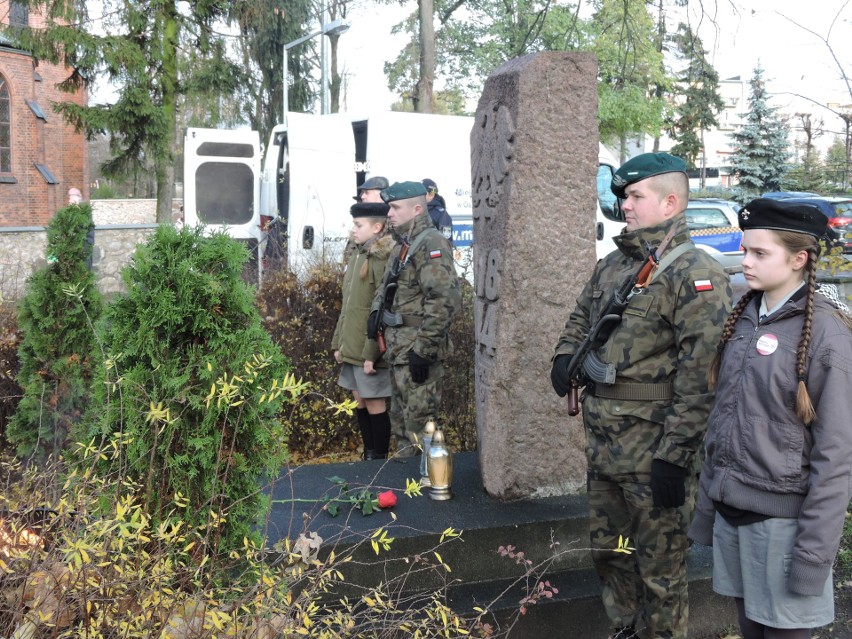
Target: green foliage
[837,166]
[301,315]
[759,147]
[188,388]
[624,38]
[55,317]
[10,390]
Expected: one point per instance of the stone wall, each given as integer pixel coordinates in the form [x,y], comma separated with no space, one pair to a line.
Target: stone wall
[22,252]
[119,226]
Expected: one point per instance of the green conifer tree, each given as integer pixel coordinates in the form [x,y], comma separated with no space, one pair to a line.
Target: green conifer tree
[760,152]
[699,86]
[185,388]
[56,316]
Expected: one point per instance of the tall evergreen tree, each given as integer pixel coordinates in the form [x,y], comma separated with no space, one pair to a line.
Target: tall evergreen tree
[759,146]
[265,27]
[700,99]
[162,56]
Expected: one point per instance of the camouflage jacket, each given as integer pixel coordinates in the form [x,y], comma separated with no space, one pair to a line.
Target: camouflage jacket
[363,276]
[668,333]
[428,294]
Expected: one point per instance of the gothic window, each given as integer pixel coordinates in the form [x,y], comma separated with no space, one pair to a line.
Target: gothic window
[5,128]
[18,14]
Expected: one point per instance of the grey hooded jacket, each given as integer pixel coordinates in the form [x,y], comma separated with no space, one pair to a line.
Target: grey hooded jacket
[760,457]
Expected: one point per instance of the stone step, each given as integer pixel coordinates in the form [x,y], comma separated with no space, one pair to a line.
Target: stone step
[551,532]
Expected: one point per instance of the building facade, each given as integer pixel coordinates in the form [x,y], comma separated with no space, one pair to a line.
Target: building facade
[41,156]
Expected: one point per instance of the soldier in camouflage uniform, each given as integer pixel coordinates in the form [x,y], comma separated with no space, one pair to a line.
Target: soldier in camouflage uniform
[417,326]
[645,431]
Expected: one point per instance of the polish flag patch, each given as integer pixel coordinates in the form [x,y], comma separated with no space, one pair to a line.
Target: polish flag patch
[703,285]
[434,254]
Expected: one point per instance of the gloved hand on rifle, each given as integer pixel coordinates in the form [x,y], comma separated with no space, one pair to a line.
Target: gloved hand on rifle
[668,484]
[373,325]
[418,367]
[559,375]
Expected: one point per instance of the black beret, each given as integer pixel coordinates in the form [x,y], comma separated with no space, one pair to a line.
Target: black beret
[369,209]
[403,191]
[642,167]
[777,215]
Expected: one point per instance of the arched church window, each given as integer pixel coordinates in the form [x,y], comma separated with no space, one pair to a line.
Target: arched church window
[5,127]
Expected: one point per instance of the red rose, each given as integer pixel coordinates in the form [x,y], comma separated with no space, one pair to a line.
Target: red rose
[387,499]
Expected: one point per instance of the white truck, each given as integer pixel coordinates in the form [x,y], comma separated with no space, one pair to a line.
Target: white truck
[294,202]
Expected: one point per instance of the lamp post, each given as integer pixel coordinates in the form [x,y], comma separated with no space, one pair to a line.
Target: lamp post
[336,27]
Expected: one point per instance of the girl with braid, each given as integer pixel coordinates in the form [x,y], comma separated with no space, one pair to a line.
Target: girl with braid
[775,485]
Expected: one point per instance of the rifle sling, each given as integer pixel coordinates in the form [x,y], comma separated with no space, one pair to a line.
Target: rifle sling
[634,391]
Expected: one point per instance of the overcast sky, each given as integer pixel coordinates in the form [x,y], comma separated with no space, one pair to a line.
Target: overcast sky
[737,33]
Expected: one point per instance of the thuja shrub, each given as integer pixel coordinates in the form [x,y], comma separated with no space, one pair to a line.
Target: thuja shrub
[10,390]
[55,317]
[189,387]
[300,315]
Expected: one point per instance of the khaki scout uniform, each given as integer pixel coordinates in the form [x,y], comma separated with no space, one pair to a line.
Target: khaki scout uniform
[427,299]
[657,408]
[350,336]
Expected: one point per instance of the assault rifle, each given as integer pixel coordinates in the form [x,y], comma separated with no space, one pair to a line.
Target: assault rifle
[585,365]
[390,292]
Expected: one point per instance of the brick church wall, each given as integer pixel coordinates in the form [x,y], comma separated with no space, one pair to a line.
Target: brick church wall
[26,198]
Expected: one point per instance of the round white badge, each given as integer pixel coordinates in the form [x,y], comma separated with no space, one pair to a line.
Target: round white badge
[767,344]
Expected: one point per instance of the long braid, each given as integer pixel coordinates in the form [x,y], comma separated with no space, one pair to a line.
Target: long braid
[804,406]
[727,332]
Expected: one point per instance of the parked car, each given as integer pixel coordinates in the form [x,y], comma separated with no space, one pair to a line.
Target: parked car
[838,210]
[714,227]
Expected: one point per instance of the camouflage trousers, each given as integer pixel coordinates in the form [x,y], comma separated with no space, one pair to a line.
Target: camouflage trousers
[412,405]
[650,582]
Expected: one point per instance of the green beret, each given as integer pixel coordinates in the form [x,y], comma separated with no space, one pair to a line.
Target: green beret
[403,191]
[642,167]
[777,215]
[369,209]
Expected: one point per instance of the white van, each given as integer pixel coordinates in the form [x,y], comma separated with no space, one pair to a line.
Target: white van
[609,219]
[222,186]
[311,170]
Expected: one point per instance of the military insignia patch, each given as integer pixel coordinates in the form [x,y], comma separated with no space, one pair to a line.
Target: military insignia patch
[434,254]
[703,285]
[618,180]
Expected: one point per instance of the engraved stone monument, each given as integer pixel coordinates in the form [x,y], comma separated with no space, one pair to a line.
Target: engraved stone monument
[534,149]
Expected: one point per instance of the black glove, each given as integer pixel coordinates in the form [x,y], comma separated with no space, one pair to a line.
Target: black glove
[419,367]
[668,484]
[373,325]
[559,375]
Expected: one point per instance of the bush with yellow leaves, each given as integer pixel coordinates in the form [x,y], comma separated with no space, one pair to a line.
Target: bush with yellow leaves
[111,573]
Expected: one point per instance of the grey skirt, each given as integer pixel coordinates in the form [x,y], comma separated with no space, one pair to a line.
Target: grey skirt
[367,386]
[753,562]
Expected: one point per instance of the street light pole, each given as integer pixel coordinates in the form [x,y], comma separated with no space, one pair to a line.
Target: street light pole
[336,27]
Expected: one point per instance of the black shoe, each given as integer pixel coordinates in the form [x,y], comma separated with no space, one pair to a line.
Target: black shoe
[369,454]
